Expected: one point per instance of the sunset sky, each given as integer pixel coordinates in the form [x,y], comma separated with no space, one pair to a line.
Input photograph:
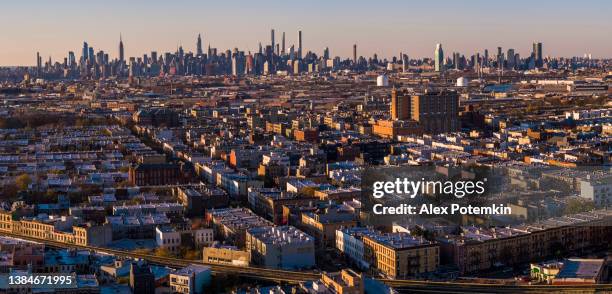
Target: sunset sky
[567,28]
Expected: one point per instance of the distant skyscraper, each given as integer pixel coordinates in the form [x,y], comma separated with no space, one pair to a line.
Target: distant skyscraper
[153,56]
[439,58]
[91,57]
[283,48]
[326,53]
[272,37]
[500,58]
[71,59]
[299,44]
[405,62]
[292,52]
[510,59]
[537,54]
[199,50]
[38,63]
[354,53]
[121,52]
[85,52]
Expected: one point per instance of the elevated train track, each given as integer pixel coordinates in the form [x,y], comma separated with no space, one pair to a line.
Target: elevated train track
[284,276]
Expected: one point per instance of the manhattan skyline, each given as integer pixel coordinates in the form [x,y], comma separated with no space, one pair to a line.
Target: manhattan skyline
[386,29]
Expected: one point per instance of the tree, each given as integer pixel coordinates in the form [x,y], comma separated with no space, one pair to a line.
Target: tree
[191,254]
[23,181]
[576,205]
[163,252]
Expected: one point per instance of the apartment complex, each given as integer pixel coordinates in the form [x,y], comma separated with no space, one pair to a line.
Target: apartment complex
[436,112]
[479,249]
[63,229]
[400,255]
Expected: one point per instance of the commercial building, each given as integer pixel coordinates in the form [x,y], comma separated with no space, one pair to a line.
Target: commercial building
[283,247]
[226,255]
[572,271]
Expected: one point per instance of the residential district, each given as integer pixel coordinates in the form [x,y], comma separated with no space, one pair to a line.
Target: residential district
[233,172]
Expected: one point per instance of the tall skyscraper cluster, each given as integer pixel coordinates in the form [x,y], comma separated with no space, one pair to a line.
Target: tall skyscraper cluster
[271,59]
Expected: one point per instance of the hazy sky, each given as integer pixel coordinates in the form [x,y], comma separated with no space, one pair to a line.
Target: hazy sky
[54,27]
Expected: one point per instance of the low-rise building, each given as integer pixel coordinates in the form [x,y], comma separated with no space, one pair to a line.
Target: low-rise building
[191,279]
[283,247]
[400,255]
[226,255]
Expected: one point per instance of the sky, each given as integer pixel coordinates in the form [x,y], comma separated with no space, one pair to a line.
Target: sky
[386,27]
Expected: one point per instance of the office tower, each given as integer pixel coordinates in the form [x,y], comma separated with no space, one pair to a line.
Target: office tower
[238,64]
[283,48]
[153,56]
[500,58]
[272,37]
[405,63]
[38,63]
[355,53]
[91,57]
[292,52]
[71,59]
[199,50]
[436,112]
[439,58]
[121,52]
[537,54]
[299,44]
[486,58]
[85,51]
[326,53]
[510,59]
[400,105]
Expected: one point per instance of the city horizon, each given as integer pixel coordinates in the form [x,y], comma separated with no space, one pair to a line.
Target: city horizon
[114,54]
[462,27]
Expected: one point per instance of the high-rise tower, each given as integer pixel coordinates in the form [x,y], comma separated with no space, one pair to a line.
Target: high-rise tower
[199,50]
[283,44]
[272,37]
[537,54]
[85,52]
[299,44]
[121,53]
[439,58]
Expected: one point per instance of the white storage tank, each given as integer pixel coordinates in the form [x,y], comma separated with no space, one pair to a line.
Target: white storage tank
[382,81]
[462,82]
